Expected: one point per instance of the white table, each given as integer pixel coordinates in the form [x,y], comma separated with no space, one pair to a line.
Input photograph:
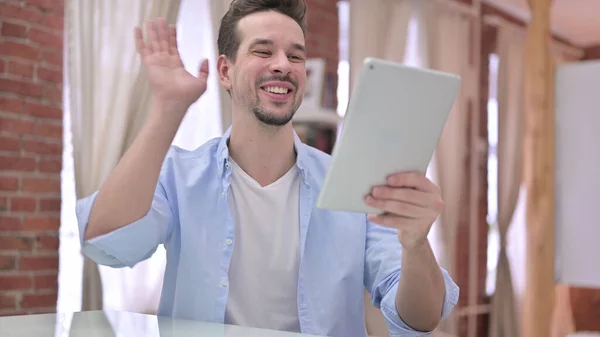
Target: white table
[121,324]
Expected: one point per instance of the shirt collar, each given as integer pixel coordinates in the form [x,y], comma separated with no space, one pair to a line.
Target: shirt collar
[223,154]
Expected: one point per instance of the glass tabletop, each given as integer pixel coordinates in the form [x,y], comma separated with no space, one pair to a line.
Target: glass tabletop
[122,324]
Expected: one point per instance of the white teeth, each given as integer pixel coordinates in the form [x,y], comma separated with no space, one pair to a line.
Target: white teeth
[276,90]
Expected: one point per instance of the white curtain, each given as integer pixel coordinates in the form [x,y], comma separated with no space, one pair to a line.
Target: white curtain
[138,289]
[218,8]
[378,28]
[107,100]
[446,47]
[510,40]
[510,161]
[415,56]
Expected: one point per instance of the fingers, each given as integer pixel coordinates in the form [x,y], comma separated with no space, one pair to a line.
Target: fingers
[173,50]
[160,38]
[152,41]
[414,180]
[203,70]
[391,220]
[139,42]
[408,195]
[398,208]
[163,35]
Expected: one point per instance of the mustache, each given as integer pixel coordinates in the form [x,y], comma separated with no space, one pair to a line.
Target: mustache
[286,78]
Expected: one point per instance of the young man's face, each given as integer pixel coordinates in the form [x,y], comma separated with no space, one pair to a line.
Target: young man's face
[269,74]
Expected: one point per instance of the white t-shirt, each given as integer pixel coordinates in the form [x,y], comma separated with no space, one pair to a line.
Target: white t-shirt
[263,274]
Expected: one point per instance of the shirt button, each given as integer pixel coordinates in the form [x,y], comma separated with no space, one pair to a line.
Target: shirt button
[229,242]
[223,283]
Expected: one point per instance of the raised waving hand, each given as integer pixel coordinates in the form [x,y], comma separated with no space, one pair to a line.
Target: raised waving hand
[169,80]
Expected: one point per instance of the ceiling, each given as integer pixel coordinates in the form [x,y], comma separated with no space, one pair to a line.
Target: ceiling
[574,20]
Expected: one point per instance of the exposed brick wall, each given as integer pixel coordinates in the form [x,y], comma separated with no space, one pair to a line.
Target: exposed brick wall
[585,303]
[323,42]
[592,53]
[30,153]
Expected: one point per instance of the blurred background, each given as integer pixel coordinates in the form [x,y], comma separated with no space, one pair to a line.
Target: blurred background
[516,159]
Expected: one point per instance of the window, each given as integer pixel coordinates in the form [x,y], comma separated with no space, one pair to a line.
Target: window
[492,178]
[202,122]
[343,88]
[70,260]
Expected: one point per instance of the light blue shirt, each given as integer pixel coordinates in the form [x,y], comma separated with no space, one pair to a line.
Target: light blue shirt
[341,252]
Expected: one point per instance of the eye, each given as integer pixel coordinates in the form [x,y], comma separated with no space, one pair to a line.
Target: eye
[296,57]
[262,52]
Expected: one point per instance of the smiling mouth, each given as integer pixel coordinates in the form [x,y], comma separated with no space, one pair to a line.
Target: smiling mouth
[277,90]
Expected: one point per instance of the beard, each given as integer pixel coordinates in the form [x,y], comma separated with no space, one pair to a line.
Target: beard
[262,114]
[269,118]
[272,119]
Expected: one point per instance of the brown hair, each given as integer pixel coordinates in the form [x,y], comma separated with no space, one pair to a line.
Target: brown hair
[228,41]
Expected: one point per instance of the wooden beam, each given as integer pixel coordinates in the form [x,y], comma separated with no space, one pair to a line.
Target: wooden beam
[490,9]
[539,173]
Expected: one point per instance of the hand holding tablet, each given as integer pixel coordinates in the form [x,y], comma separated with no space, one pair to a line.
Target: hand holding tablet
[394,121]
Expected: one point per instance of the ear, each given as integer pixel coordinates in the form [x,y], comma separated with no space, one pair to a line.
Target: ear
[223,67]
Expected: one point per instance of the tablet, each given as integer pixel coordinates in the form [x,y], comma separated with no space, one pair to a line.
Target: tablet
[394,120]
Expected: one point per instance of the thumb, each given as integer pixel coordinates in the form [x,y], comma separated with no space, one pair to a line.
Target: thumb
[203,70]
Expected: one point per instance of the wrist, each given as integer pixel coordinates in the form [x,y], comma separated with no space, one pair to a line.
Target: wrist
[412,240]
[165,117]
[169,108]
[415,246]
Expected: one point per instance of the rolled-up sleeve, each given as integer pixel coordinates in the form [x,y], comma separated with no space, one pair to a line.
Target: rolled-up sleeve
[383,260]
[132,243]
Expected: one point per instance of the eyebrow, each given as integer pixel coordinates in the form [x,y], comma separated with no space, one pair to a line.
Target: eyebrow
[268,42]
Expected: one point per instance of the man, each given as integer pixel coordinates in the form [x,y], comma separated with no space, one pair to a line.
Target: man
[245,244]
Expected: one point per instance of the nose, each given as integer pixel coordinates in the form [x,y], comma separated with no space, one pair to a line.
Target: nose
[281,64]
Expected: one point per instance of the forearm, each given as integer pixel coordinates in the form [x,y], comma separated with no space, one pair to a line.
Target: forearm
[421,289]
[127,194]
